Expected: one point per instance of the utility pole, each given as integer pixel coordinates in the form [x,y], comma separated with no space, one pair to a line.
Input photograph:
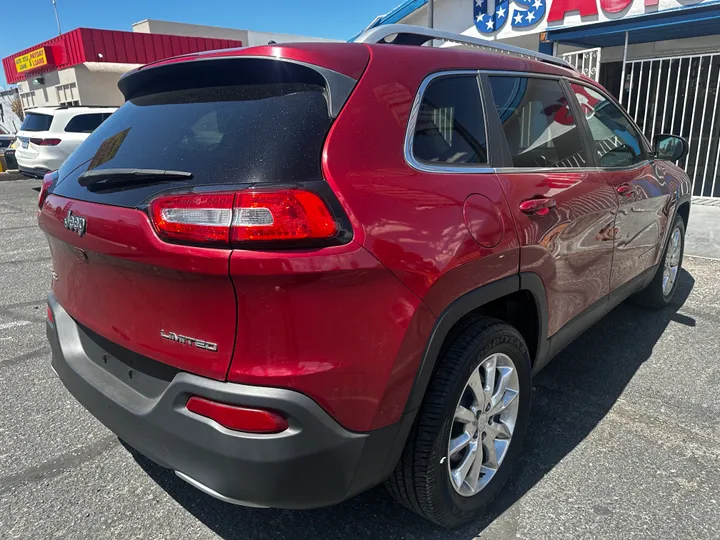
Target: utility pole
[57,17]
[431,18]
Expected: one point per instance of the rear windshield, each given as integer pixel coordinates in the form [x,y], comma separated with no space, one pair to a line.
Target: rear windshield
[36,122]
[222,135]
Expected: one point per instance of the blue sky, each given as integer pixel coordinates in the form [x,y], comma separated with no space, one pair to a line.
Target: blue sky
[27,22]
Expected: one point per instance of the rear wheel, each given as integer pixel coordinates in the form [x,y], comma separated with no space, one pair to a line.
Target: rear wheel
[659,293]
[469,428]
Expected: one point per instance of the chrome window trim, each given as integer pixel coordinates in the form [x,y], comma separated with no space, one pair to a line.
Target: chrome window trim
[443,167]
[471,169]
[635,166]
[516,170]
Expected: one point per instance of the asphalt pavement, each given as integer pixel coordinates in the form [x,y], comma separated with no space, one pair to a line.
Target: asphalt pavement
[624,439]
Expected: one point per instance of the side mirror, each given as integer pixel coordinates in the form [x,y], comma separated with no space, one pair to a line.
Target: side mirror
[670,147]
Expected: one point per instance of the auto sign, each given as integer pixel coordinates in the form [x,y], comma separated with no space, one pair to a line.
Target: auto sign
[34,59]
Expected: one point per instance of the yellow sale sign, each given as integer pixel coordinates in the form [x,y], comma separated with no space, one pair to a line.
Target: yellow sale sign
[33,59]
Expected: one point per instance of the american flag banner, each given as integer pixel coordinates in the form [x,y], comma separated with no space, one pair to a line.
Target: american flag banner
[533,13]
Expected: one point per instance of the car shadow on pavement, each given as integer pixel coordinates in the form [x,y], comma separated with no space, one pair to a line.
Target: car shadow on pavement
[570,397]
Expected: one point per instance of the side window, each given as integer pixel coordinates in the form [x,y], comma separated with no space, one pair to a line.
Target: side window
[85,123]
[616,139]
[539,126]
[450,127]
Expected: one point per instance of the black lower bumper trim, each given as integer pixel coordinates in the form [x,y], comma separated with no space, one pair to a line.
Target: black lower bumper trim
[33,173]
[315,462]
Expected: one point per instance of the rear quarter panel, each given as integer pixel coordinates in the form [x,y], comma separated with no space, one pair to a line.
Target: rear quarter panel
[412,221]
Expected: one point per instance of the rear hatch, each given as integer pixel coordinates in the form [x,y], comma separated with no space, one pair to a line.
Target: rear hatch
[33,134]
[219,126]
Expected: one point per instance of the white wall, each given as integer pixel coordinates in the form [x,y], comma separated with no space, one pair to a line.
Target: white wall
[248,37]
[45,94]
[9,121]
[98,85]
[152,26]
[262,38]
[92,83]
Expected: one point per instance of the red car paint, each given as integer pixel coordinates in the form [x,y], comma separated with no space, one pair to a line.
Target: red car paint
[348,324]
[121,281]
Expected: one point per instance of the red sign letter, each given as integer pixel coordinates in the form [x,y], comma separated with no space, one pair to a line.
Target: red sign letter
[616,6]
[559,8]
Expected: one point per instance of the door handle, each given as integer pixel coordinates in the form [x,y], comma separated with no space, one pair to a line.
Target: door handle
[626,189]
[538,207]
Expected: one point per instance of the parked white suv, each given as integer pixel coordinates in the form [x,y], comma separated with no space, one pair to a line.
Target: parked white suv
[48,135]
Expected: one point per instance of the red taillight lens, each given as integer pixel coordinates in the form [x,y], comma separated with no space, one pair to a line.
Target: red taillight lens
[50,316]
[48,179]
[238,418]
[248,216]
[194,218]
[290,214]
[46,142]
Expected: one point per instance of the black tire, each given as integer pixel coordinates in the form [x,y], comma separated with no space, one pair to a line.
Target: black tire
[653,296]
[421,479]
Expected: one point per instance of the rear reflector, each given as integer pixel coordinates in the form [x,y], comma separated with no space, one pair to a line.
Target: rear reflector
[50,316]
[46,142]
[238,418]
[247,216]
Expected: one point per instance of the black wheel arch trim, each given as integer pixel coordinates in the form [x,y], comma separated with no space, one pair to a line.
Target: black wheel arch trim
[470,301]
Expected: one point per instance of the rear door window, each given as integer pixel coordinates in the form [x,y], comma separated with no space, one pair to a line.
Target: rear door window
[36,122]
[538,123]
[85,123]
[223,135]
[450,127]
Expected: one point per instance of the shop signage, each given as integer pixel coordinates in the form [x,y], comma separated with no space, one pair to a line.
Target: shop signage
[538,15]
[38,58]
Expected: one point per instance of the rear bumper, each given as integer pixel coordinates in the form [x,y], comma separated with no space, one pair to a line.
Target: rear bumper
[314,463]
[33,172]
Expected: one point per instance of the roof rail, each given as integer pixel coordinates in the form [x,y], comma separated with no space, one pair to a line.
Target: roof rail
[407,34]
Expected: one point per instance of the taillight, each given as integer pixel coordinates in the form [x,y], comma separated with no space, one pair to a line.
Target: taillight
[238,418]
[243,218]
[290,214]
[46,142]
[48,179]
[194,218]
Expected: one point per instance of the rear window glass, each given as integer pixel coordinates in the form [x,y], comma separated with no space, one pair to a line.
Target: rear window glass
[223,135]
[4,143]
[36,122]
[85,123]
[450,127]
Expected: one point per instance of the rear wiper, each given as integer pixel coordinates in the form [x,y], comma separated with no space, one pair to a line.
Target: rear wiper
[100,179]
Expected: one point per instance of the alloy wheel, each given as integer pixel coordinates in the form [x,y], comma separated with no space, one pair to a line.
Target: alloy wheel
[672,262]
[483,424]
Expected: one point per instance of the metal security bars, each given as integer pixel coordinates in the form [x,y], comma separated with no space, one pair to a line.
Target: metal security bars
[679,95]
[586,62]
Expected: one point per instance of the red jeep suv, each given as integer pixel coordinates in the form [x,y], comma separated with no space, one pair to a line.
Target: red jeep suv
[293,272]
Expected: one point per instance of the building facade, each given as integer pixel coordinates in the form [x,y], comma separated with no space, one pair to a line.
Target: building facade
[83,66]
